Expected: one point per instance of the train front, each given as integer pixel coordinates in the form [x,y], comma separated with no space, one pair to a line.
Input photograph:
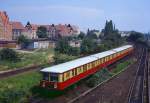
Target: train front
[49,80]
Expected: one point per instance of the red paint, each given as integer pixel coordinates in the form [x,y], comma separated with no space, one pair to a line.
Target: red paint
[67,83]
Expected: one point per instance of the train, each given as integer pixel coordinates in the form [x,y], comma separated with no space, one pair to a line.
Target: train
[61,76]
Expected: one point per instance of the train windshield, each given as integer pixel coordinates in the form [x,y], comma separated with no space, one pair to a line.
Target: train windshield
[45,76]
[50,76]
[54,77]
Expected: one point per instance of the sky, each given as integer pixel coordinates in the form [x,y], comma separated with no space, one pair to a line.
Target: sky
[126,14]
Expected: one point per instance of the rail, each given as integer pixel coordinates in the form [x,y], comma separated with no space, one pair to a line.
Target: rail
[138,89]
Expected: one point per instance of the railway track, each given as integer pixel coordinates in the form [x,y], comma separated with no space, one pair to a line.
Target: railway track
[138,92]
[18,71]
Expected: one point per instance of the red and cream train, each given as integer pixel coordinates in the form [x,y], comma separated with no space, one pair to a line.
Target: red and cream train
[63,75]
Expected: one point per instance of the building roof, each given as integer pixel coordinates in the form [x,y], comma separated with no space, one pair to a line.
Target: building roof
[35,26]
[4,16]
[81,61]
[17,25]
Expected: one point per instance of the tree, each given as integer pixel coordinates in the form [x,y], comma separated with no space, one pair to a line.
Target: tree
[61,58]
[111,37]
[134,36]
[24,41]
[42,32]
[74,51]
[91,34]
[62,46]
[88,46]
[8,55]
[108,28]
[81,35]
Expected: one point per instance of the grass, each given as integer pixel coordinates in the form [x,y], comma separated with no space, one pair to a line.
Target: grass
[18,88]
[42,56]
[121,66]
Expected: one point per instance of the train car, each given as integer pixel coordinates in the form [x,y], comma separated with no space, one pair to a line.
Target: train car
[64,75]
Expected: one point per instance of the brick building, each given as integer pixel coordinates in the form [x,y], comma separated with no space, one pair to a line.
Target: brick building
[5,27]
[17,29]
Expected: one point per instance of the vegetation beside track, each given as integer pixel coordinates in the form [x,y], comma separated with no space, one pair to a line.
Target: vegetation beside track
[121,66]
[17,89]
[43,57]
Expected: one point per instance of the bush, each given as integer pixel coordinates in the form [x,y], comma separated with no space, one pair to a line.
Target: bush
[11,96]
[92,81]
[24,41]
[61,58]
[8,55]
[98,77]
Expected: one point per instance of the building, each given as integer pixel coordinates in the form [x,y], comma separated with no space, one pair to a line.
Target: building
[17,29]
[9,44]
[53,31]
[5,27]
[75,43]
[40,44]
[67,30]
[30,31]
[124,33]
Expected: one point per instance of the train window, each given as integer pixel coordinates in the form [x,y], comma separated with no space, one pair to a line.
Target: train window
[90,65]
[84,67]
[97,62]
[87,66]
[79,70]
[111,56]
[45,76]
[73,72]
[54,77]
[101,60]
[67,75]
[114,55]
[105,59]
[60,78]
[93,64]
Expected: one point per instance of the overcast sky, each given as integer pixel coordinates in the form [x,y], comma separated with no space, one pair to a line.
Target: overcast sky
[126,14]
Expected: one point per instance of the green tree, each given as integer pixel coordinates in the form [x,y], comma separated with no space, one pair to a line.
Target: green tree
[7,54]
[108,28]
[61,58]
[24,41]
[74,51]
[12,96]
[42,32]
[62,46]
[88,46]
[111,37]
[135,36]
[91,34]
[81,35]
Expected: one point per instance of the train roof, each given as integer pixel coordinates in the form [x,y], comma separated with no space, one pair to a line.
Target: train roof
[122,48]
[69,65]
[81,61]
